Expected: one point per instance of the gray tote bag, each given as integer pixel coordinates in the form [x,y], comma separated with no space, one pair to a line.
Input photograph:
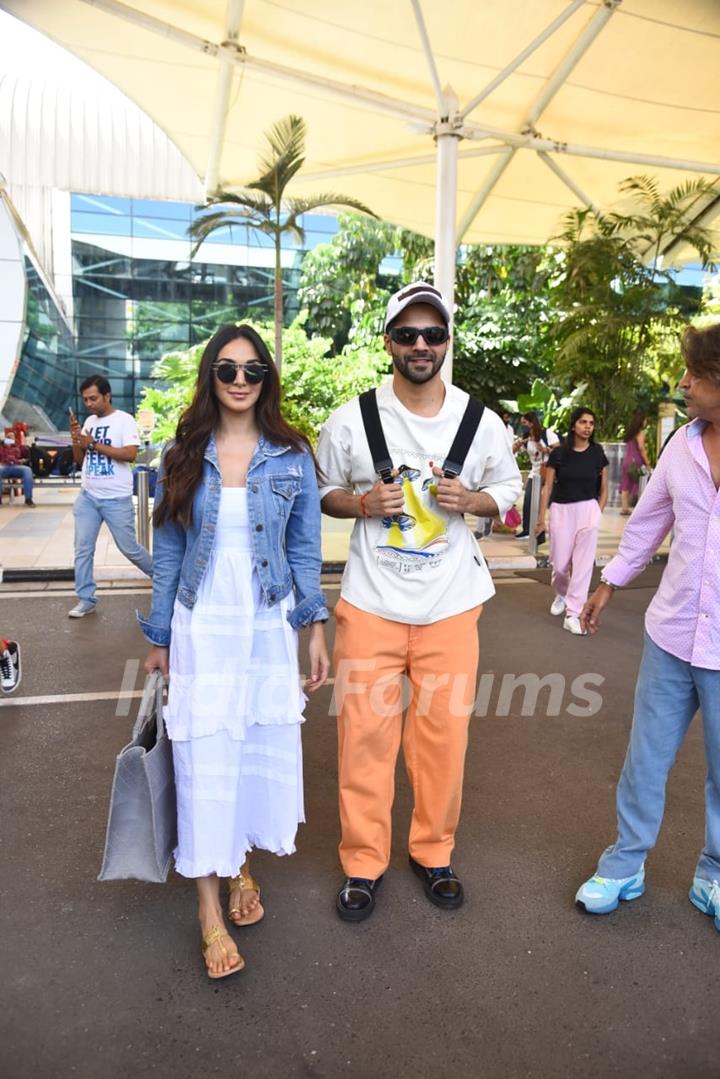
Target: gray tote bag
[142,823]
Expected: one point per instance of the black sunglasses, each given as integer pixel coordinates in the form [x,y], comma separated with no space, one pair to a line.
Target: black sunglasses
[408,335]
[226,371]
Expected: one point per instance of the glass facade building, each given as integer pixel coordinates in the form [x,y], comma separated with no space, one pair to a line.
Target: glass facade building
[45,377]
[136,295]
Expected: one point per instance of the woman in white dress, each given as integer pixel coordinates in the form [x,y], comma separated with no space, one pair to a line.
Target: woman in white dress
[236,574]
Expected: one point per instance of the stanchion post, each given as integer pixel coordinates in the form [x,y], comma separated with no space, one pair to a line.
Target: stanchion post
[535,493]
[143,508]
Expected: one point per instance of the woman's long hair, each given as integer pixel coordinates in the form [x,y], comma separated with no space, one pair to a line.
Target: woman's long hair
[576,414]
[536,430]
[636,424]
[183,465]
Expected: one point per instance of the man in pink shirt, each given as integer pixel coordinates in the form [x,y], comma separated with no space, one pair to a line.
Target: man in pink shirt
[680,668]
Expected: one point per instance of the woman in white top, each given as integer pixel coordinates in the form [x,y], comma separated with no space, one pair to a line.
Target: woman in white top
[537,443]
[237,571]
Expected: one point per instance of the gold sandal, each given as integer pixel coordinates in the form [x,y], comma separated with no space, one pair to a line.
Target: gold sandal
[213,935]
[244,883]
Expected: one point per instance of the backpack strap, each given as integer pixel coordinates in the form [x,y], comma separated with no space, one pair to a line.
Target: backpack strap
[382,462]
[453,463]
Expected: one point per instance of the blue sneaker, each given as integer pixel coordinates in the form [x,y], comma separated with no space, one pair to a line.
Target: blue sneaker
[705,895]
[600,895]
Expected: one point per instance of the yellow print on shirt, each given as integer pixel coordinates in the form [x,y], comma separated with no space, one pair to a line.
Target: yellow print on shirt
[420,532]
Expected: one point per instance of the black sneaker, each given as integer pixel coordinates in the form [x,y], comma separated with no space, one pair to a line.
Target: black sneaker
[10,670]
[441,885]
[356,899]
[29,502]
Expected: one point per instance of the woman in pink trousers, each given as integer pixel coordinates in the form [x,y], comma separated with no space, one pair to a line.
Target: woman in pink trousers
[576,488]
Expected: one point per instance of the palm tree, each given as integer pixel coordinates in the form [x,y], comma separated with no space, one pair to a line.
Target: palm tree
[262,204]
[617,301]
[664,221]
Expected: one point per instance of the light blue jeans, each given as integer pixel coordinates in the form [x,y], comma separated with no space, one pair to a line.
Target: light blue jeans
[19,472]
[117,513]
[668,693]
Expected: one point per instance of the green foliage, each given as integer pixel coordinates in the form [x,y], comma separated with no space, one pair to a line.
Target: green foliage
[504,317]
[710,304]
[591,320]
[554,411]
[502,328]
[342,288]
[177,375]
[314,383]
[339,281]
[618,309]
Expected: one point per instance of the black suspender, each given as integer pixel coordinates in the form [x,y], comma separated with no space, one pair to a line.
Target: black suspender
[382,462]
[453,463]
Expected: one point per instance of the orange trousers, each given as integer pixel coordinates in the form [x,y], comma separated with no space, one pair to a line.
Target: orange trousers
[380,668]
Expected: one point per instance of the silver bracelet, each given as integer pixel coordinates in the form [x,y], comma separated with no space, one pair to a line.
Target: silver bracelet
[604,580]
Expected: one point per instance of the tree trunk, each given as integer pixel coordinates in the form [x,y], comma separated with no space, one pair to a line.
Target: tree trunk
[278,305]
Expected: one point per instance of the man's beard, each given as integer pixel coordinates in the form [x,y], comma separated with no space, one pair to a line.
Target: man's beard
[418,375]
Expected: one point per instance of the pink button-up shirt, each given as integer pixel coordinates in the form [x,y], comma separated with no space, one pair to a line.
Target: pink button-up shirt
[684,615]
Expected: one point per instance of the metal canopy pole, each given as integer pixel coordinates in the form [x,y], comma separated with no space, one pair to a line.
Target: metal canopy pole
[447,137]
[522,56]
[395,163]
[570,60]
[383,103]
[528,141]
[226,71]
[482,194]
[568,181]
[541,102]
[447,134]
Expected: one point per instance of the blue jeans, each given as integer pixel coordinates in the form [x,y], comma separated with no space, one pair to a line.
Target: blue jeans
[668,693]
[19,472]
[117,513]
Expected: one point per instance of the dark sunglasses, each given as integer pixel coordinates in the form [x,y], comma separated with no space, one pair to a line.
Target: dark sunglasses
[408,335]
[226,371]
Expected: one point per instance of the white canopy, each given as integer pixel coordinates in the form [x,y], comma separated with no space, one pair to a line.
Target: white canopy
[535,105]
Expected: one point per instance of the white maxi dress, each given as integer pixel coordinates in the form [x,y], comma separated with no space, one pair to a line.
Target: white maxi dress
[234,711]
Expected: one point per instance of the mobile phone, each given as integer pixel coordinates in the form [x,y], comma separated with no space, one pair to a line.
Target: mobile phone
[71,414]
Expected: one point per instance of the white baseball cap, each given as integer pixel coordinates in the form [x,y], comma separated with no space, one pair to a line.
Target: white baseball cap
[417,292]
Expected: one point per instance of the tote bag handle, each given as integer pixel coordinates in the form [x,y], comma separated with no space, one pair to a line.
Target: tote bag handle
[151,704]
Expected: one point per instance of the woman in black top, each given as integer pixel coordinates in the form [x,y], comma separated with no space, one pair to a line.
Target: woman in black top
[576,481]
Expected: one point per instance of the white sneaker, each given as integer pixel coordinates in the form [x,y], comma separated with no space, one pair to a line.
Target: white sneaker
[572,625]
[81,609]
[558,605]
[10,670]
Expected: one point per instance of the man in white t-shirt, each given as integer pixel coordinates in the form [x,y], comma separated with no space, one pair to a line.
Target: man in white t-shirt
[412,591]
[105,446]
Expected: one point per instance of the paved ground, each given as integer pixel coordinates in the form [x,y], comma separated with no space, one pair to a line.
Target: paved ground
[41,539]
[107,980]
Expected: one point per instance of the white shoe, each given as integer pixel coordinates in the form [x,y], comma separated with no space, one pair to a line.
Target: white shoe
[572,625]
[558,605]
[81,609]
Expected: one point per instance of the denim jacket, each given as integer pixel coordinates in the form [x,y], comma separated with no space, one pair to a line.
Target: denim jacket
[284,518]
